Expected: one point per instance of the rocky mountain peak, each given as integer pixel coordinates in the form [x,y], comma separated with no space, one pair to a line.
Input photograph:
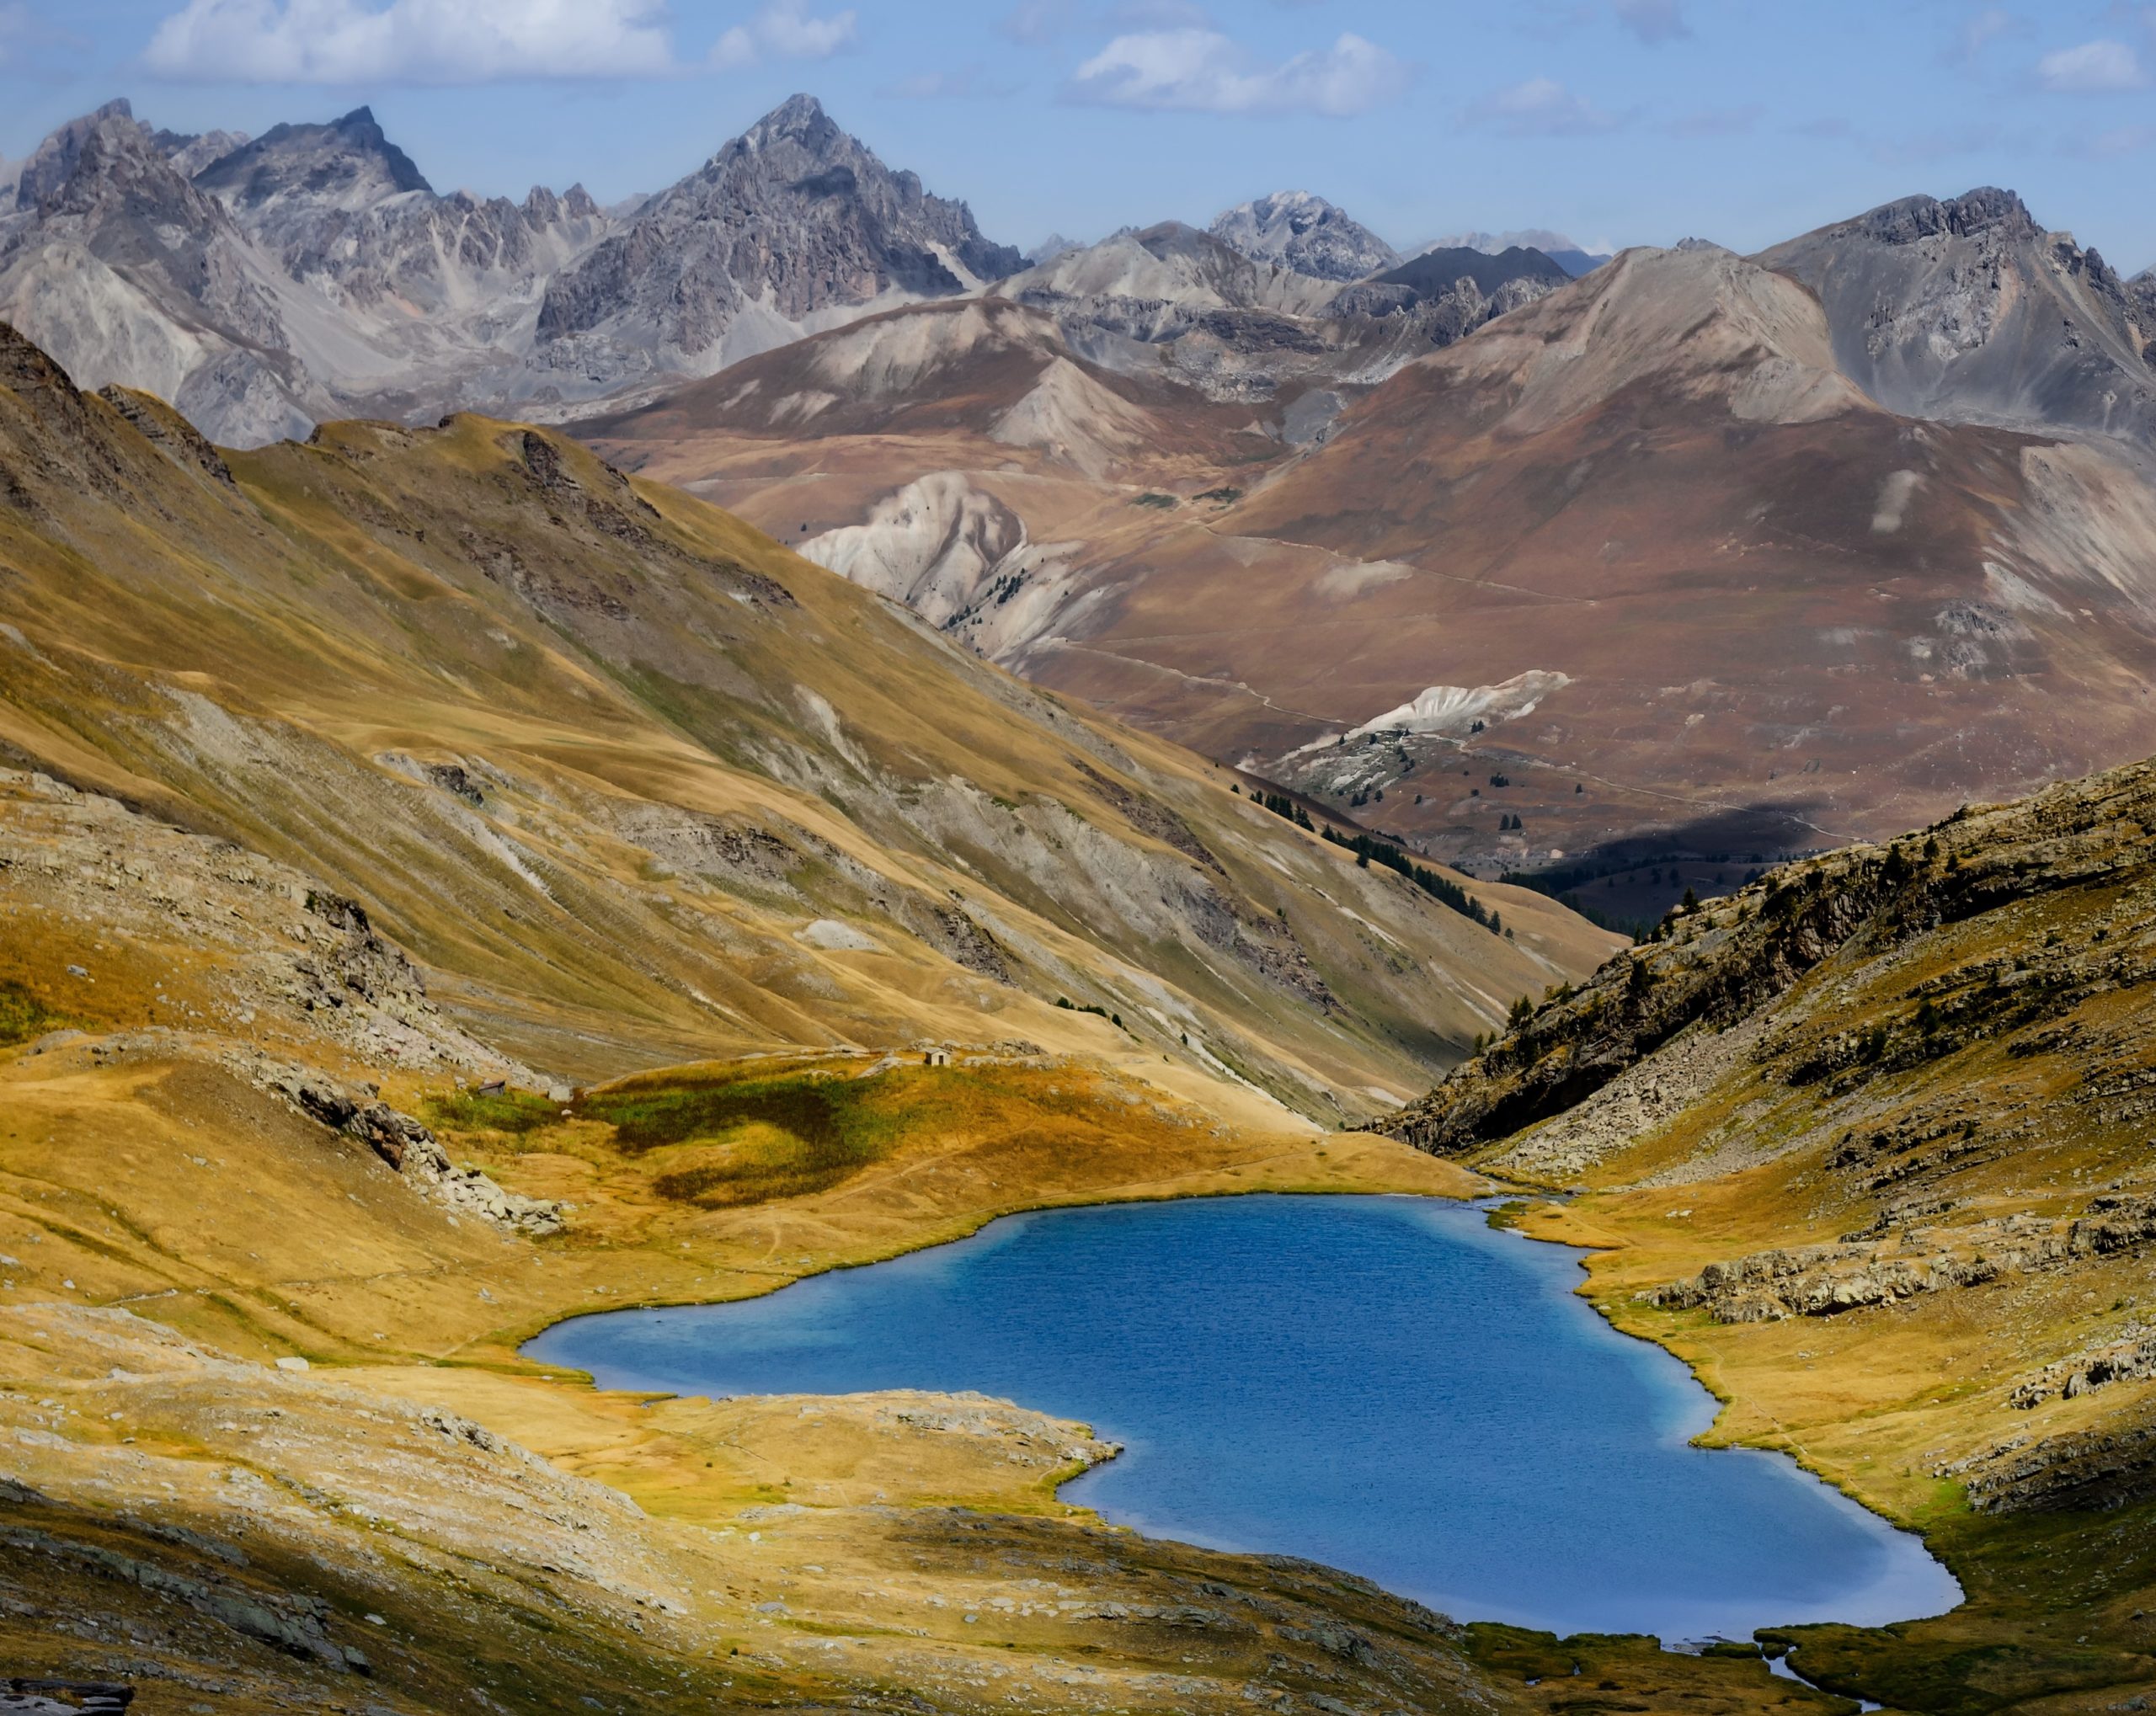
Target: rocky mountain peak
[1303,231]
[1965,309]
[51,162]
[1984,210]
[111,168]
[794,214]
[348,163]
[799,119]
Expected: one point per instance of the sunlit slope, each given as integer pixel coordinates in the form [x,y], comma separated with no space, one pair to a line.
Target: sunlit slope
[1869,1143]
[635,784]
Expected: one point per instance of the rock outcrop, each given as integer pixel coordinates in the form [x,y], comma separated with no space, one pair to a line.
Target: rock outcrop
[1822,1280]
[2091,1470]
[402,1142]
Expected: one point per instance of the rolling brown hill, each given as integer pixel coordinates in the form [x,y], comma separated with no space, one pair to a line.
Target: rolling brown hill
[1646,551]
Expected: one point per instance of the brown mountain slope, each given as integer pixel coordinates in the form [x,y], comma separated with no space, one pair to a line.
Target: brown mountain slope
[963,459]
[1868,1144]
[635,784]
[1773,605]
[1703,595]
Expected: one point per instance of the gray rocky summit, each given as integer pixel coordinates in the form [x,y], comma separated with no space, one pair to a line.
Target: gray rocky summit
[790,223]
[1966,309]
[1306,233]
[348,163]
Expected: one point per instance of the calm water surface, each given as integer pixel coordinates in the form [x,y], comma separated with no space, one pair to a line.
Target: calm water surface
[1384,1384]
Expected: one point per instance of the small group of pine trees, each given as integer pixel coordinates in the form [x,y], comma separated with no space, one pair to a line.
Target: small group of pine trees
[1508,823]
[1368,849]
[1282,806]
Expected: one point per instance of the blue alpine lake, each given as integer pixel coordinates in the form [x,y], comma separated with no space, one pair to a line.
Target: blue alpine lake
[1384,1384]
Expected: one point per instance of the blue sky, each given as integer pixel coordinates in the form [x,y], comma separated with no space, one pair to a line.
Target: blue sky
[1624,121]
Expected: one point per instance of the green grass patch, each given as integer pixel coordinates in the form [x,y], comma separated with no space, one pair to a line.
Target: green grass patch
[1160,502]
[513,1112]
[1224,497]
[782,1136]
[24,1017]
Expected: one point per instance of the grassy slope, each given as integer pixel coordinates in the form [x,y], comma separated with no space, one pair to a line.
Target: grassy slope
[634,680]
[1925,1052]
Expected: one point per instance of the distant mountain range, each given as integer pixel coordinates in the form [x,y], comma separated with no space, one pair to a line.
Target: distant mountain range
[1696,553]
[1576,260]
[264,285]
[1752,554]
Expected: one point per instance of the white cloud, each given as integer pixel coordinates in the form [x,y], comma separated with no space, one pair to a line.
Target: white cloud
[1542,107]
[785,29]
[1033,22]
[1980,32]
[1653,21]
[1201,71]
[2092,66]
[419,41]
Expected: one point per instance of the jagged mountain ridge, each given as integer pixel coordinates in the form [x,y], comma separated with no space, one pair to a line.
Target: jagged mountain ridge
[313,271]
[794,219]
[347,164]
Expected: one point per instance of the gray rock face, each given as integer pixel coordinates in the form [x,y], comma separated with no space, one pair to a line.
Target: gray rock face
[125,272]
[1968,311]
[1305,233]
[190,154]
[262,286]
[348,163]
[1233,328]
[789,222]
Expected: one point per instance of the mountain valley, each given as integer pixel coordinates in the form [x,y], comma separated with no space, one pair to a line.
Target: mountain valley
[560,758]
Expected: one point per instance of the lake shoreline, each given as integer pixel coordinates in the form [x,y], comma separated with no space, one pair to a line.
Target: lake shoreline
[1466,1197]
